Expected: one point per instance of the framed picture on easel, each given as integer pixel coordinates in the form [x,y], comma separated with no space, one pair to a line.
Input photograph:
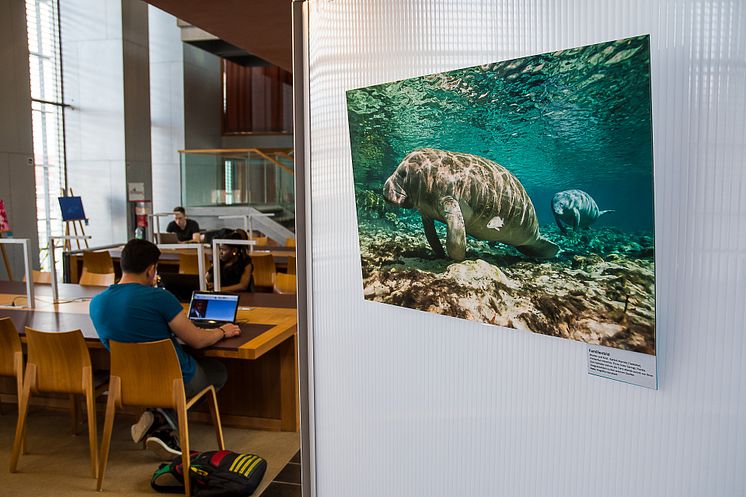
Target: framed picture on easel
[73,214]
[72,209]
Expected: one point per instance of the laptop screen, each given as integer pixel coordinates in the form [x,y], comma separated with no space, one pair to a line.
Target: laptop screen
[213,307]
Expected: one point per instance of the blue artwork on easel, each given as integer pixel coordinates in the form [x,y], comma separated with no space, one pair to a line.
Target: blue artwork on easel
[72,209]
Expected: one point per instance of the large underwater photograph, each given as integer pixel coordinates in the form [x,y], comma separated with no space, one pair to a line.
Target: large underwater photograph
[518,193]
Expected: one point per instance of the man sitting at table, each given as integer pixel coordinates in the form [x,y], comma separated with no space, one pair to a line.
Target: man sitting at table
[184,227]
[135,311]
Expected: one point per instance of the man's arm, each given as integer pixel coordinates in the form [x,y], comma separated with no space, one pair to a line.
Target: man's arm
[199,338]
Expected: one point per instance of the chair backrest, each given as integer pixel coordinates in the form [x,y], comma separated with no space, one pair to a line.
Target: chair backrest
[285,283]
[263,269]
[60,357]
[188,264]
[291,264]
[261,241]
[147,372]
[96,279]
[97,262]
[290,242]
[44,277]
[41,276]
[10,344]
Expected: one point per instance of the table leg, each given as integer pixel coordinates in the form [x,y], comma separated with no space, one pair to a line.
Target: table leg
[289,385]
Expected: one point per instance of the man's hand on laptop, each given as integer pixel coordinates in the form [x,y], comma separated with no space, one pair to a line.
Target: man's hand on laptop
[230,330]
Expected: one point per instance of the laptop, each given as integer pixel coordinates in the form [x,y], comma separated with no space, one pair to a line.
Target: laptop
[212,309]
[166,238]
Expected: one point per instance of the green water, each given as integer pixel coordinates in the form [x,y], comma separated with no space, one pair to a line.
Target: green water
[574,119]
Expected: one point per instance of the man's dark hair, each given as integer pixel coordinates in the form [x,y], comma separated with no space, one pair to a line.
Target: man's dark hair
[180,209]
[137,255]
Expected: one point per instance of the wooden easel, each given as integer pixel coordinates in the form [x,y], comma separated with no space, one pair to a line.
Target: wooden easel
[75,224]
[6,262]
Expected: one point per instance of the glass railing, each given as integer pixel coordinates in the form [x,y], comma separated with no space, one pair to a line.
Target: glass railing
[228,177]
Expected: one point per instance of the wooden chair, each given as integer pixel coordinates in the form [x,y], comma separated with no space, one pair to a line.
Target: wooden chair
[188,264]
[285,283]
[11,354]
[264,269]
[290,242]
[95,264]
[43,277]
[148,375]
[95,279]
[58,362]
[291,264]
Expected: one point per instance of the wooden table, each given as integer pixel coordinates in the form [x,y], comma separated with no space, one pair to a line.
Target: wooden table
[262,388]
[168,262]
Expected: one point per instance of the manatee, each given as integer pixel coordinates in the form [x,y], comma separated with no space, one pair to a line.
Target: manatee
[470,194]
[575,208]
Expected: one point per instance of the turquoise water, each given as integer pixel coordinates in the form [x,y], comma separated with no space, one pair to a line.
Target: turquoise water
[575,119]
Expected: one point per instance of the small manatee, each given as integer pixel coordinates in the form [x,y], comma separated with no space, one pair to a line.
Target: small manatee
[575,208]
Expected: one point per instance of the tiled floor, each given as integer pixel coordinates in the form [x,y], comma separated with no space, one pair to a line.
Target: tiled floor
[287,482]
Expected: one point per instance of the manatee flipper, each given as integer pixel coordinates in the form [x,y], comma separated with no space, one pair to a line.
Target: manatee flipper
[609,211]
[575,219]
[454,218]
[432,236]
[559,223]
[539,249]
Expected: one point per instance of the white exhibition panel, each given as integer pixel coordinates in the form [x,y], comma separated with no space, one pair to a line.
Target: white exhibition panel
[407,403]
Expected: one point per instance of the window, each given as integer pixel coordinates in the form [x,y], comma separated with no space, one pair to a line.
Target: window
[47,109]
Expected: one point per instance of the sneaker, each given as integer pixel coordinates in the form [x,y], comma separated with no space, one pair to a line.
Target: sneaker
[163,443]
[143,425]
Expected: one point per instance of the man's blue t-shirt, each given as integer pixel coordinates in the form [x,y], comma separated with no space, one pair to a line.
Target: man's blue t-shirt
[137,313]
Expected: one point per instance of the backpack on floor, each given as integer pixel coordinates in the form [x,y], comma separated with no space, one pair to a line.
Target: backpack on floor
[213,474]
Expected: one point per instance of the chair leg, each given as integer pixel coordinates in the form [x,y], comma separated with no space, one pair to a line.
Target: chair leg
[111,407]
[74,414]
[18,368]
[184,442]
[215,415]
[22,413]
[90,402]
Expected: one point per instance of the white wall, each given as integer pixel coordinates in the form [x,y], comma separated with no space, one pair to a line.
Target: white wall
[166,108]
[413,404]
[107,128]
[94,126]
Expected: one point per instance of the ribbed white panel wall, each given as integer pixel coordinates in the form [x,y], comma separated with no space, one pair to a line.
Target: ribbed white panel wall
[412,404]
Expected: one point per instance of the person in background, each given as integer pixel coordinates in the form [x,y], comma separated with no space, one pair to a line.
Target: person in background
[235,266]
[184,227]
[135,311]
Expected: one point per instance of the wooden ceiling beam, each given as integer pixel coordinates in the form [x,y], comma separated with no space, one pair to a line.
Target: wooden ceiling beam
[261,27]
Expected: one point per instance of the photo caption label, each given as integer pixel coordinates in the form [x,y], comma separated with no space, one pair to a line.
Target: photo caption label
[623,365]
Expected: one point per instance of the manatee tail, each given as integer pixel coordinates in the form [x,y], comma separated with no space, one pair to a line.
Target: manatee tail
[610,211]
[539,249]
